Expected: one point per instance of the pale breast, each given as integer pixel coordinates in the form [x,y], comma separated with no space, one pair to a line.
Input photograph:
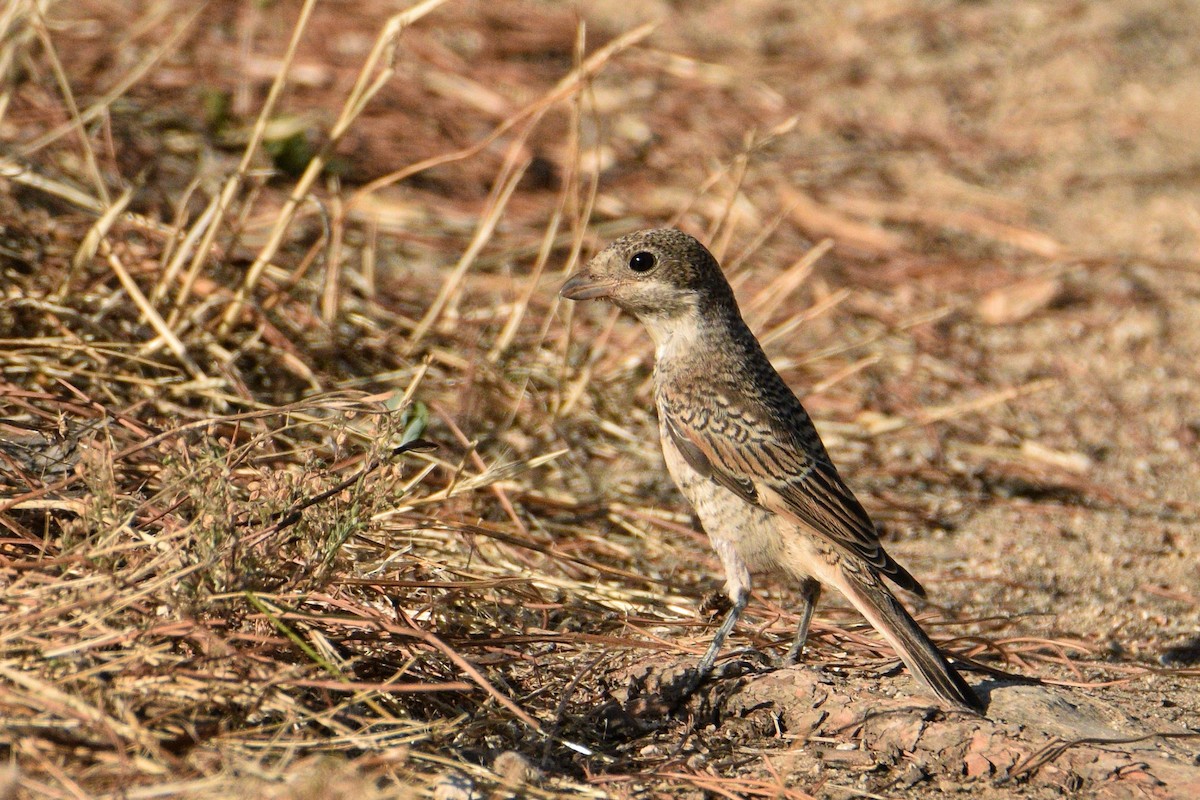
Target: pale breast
[750,530]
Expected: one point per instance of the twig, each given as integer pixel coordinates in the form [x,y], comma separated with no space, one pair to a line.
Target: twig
[1055,749]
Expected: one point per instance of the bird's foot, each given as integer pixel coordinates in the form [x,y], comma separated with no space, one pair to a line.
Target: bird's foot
[655,690]
[752,659]
[681,684]
[794,656]
[739,664]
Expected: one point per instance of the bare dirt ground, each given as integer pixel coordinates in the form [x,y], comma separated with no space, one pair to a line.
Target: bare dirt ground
[967,233]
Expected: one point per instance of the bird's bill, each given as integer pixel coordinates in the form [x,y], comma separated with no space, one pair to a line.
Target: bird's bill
[582,286]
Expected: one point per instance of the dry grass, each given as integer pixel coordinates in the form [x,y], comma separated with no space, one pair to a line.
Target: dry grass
[231,567]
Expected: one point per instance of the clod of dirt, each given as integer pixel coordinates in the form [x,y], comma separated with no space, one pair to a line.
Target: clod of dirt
[656,690]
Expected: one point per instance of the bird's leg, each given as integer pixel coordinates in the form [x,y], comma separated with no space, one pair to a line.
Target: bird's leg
[705,667]
[810,592]
[737,589]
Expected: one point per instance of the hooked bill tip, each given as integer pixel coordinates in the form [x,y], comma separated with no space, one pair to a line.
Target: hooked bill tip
[582,286]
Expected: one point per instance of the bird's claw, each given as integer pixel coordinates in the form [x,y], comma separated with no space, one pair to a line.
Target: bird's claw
[743,663]
[792,658]
[746,660]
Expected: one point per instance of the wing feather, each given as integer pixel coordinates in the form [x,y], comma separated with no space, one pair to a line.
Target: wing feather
[777,462]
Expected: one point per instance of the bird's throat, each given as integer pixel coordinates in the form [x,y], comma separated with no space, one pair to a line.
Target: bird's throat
[675,336]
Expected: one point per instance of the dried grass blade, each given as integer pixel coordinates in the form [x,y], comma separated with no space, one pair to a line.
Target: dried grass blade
[365,88]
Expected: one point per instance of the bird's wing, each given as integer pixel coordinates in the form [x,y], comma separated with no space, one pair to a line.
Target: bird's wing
[781,466]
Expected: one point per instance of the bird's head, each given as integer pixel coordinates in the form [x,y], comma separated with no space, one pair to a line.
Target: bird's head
[656,275]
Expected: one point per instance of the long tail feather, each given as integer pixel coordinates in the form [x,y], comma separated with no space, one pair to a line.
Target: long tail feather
[875,602]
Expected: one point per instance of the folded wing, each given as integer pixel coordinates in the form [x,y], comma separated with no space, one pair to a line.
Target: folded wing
[778,464]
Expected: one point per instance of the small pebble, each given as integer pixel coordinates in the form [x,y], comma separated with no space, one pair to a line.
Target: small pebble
[515,768]
[454,786]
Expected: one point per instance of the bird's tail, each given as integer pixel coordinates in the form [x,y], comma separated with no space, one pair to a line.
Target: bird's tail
[876,602]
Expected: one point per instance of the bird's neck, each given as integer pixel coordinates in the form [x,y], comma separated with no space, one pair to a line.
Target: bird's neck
[685,335]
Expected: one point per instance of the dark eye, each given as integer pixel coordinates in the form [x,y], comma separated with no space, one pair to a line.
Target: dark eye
[642,262]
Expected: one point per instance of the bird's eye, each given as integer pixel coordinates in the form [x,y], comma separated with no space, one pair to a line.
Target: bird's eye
[642,262]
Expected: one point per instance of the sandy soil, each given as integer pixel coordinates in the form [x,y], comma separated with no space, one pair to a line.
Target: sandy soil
[1068,514]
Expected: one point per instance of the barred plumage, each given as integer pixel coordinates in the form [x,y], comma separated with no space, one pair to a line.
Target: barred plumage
[745,453]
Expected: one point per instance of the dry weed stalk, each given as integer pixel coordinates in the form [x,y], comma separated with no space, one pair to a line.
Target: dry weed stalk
[227,526]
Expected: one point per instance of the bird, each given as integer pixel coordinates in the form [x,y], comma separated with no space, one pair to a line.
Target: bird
[746,455]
